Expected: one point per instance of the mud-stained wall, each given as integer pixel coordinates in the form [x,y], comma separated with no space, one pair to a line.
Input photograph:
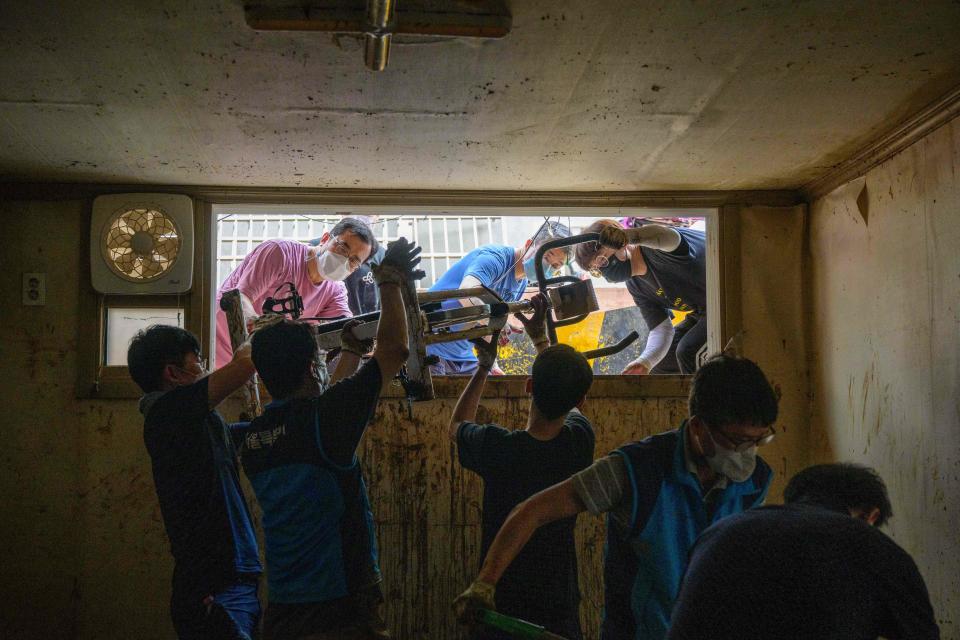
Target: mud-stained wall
[772,311]
[85,554]
[885,359]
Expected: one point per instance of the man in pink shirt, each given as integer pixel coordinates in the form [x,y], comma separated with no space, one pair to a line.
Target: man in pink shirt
[317,272]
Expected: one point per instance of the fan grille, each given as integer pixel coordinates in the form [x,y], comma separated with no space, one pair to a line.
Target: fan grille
[140,245]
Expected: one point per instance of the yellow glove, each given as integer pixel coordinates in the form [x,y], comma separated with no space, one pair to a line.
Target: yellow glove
[478,595]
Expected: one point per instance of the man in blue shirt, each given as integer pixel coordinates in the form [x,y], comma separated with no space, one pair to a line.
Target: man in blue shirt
[216,563]
[660,494]
[300,456]
[502,269]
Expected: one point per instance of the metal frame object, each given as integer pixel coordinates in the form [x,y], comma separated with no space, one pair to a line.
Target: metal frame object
[569,301]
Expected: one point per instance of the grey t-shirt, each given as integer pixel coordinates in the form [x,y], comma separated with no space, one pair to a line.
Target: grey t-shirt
[605,486]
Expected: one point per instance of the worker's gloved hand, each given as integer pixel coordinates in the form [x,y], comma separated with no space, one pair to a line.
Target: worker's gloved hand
[613,237]
[487,351]
[351,343]
[478,595]
[399,263]
[536,324]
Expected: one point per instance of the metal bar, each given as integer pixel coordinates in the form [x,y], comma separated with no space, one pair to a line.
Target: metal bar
[612,349]
[426,297]
[230,303]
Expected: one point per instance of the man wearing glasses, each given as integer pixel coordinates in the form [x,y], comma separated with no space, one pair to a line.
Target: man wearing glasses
[665,271]
[659,493]
[316,271]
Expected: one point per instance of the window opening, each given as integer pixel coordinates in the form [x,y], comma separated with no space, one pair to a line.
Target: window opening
[447,238]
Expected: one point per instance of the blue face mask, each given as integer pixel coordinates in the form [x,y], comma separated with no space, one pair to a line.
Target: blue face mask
[531,272]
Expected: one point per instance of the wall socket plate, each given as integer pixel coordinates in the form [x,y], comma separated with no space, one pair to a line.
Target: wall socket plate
[34,289]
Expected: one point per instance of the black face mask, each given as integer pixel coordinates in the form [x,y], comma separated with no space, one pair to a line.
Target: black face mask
[617,270]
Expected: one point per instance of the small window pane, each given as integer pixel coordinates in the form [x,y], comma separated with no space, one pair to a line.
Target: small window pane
[124,323]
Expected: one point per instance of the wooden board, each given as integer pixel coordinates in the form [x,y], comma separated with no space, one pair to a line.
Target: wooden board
[428,508]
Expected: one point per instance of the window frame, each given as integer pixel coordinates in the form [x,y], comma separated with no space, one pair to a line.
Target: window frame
[96,380]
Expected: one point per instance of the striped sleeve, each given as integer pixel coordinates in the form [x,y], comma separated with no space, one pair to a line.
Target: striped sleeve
[601,486]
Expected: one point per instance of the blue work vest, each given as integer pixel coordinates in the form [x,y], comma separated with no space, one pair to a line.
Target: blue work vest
[317,524]
[645,561]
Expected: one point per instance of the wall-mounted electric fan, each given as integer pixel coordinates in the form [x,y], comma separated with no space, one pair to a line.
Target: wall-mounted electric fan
[142,243]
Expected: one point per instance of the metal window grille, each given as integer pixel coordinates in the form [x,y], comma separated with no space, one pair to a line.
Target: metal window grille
[444,240]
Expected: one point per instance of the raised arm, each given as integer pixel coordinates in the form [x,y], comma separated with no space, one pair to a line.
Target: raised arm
[654,236]
[466,409]
[230,377]
[536,324]
[352,350]
[552,504]
[399,265]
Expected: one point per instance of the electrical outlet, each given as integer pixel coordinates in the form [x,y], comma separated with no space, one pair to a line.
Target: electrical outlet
[34,289]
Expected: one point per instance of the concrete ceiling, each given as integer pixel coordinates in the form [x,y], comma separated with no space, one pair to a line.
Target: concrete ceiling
[668,94]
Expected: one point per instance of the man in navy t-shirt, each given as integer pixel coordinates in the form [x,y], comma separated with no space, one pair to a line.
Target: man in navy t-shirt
[541,585]
[499,268]
[816,567]
[216,563]
[300,455]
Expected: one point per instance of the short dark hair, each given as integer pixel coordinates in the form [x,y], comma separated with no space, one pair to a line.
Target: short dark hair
[283,353]
[731,390]
[561,378]
[585,252]
[840,487]
[360,229]
[153,348]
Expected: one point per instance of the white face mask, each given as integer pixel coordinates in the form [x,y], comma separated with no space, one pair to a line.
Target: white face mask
[333,266]
[736,465]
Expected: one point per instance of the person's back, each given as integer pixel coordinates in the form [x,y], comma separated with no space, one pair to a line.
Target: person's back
[317,523]
[300,455]
[800,571]
[558,441]
[541,585]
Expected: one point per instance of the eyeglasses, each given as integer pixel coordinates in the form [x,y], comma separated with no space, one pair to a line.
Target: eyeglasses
[342,248]
[742,444]
[599,261]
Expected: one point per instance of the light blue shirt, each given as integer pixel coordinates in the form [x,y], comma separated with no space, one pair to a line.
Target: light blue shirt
[493,266]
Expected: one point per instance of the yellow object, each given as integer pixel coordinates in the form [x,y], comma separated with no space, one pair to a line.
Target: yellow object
[583,336]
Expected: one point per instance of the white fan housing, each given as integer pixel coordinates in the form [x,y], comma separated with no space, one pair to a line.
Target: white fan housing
[142,243]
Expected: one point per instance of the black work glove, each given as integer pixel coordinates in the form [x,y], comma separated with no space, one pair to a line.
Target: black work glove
[399,263]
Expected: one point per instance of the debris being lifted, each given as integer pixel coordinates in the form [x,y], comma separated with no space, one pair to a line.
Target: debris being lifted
[569,301]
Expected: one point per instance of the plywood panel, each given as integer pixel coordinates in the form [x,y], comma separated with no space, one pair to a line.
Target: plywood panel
[428,508]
